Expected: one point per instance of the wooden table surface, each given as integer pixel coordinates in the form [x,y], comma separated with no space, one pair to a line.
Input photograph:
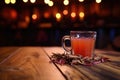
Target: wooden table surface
[33,63]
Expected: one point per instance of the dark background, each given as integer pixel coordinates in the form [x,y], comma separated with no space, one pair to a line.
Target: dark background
[18,28]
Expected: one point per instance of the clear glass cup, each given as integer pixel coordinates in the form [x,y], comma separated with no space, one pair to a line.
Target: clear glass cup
[82,43]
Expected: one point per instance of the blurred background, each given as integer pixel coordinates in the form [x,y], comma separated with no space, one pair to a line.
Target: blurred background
[45,22]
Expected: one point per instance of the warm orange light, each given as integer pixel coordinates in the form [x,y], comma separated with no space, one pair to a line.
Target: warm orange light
[65,12]
[73,14]
[34,16]
[81,15]
[66,2]
[98,1]
[25,1]
[46,15]
[27,19]
[7,1]
[13,14]
[58,15]
[32,1]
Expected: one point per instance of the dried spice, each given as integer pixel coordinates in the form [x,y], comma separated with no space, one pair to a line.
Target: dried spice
[77,60]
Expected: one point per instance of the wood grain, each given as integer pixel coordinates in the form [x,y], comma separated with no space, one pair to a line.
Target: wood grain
[6,52]
[102,71]
[29,63]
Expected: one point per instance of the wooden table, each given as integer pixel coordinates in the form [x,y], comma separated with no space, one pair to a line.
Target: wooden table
[32,63]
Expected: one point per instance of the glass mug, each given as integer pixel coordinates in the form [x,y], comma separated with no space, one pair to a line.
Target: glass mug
[82,43]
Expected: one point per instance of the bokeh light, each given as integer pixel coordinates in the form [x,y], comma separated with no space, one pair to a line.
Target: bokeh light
[46,1]
[81,0]
[13,14]
[50,3]
[34,16]
[81,15]
[66,2]
[25,1]
[46,15]
[65,12]
[98,1]
[32,1]
[58,16]
[73,14]
[7,1]
[13,1]
[27,19]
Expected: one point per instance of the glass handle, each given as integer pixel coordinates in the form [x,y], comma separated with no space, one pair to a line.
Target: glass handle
[67,37]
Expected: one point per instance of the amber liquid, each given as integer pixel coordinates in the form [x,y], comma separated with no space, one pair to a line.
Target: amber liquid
[83,46]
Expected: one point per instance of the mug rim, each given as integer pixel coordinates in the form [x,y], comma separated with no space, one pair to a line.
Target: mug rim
[83,32]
